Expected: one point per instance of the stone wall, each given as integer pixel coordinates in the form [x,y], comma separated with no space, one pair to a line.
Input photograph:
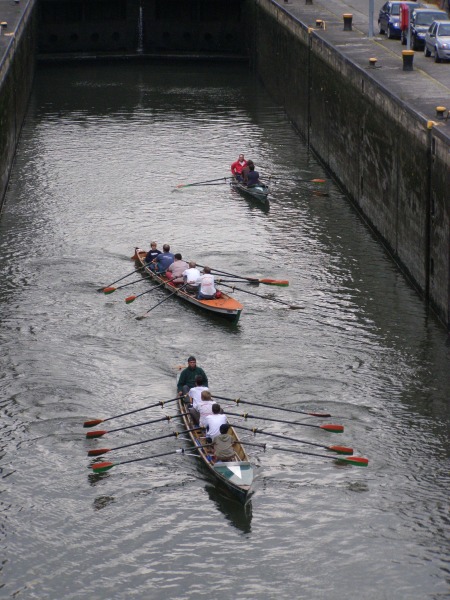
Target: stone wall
[393,167]
[18,51]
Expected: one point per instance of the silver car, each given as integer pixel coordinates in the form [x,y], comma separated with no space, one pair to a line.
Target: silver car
[437,41]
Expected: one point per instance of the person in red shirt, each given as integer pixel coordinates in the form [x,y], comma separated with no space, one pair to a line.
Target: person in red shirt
[237,166]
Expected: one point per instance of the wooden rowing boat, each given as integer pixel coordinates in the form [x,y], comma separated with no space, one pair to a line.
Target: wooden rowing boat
[225,306]
[237,475]
[258,192]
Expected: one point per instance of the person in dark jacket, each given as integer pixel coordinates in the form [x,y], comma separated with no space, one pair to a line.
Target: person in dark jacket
[187,377]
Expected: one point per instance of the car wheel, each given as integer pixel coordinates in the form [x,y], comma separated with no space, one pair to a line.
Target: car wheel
[436,56]
[403,39]
[414,44]
[426,51]
[388,33]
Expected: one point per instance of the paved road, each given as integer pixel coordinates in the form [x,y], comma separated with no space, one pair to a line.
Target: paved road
[423,89]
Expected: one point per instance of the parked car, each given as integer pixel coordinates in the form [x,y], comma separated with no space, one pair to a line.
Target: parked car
[419,22]
[389,17]
[437,40]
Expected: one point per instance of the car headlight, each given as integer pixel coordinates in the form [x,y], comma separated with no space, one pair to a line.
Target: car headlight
[445,46]
[420,34]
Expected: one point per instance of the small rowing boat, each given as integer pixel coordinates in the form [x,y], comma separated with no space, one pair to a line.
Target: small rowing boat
[258,192]
[236,475]
[224,306]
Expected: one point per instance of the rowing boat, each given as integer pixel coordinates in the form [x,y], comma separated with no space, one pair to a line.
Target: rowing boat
[258,192]
[237,475]
[225,306]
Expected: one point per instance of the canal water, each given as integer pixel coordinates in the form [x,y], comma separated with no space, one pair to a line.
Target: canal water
[102,150]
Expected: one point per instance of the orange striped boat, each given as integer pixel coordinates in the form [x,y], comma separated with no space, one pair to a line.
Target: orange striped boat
[225,306]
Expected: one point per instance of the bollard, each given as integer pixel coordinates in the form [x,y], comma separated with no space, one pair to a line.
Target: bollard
[408,57]
[319,23]
[4,24]
[308,1]
[440,110]
[372,61]
[347,21]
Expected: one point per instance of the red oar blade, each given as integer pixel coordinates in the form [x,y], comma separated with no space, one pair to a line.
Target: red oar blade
[92,423]
[279,282]
[95,434]
[333,428]
[340,449]
[318,180]
[130,299]
[320,415]
[356,461]
[109,290]
[98,451]
[102,467]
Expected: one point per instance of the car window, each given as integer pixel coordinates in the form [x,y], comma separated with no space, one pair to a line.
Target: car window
[395,10]
[444,29]
[428,18]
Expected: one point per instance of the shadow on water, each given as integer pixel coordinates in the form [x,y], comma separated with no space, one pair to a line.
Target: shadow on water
[238,514]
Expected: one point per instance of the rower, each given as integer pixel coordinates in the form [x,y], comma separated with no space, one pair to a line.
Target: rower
[251,177]
[176,269]
[164,259]
[213,422]
[207,290]
[223,445]
[195,394]
[190,277]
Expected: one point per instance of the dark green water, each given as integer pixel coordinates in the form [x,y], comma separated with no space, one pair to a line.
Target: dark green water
[101,151]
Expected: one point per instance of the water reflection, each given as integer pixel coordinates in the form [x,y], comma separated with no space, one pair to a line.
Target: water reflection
[239,515]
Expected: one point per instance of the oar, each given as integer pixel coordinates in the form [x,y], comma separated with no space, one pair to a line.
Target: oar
[131,299]
[301,412]
[105,466]
[233,287]
[279,282]
[98,451]
[117,280]
[328,427]
[299,179]
[101,432]
[337,449]
[167,297]
[183,185]
[111,289]
[356,461]
[130,412]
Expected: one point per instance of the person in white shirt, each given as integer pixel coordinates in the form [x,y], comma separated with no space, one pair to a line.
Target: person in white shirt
[205,407]
[195,395]
[206,290]
[191,276]
[213,423]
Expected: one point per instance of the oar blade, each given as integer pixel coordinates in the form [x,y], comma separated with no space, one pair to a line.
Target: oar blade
[109,290]
[356,461]
[95,434]
[317,180]
[130,299]
[98,451]
[332,428]
[102,467]
[314,414]
[92,422]
[340,449]
[279,282]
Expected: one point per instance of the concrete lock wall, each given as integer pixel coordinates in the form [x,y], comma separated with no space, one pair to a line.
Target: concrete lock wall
[393,167]
[18,52]
[142,25]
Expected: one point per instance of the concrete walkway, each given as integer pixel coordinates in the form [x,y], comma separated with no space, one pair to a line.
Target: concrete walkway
[422,89]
